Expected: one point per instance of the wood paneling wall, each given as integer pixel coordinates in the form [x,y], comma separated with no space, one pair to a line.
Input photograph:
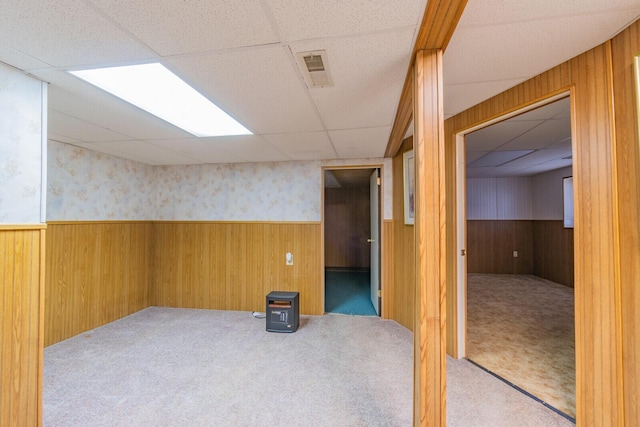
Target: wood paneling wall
[605,158]
[553,252]
[347,226]
[490,246]
[627,168]
[21,334]
[97,272]
[404,276]
[233,266]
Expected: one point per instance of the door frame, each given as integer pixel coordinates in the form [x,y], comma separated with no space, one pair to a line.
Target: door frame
[383,267]
[461,213]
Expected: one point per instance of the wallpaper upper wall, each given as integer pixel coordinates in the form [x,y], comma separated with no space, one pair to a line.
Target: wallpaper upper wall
[285,191]
[90,186]
[21,147]
[84,185]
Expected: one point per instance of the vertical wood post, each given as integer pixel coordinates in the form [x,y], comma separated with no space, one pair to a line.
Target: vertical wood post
[430,238]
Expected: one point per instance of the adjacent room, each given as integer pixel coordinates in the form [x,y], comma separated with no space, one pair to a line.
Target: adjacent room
[520,302]
[352,241]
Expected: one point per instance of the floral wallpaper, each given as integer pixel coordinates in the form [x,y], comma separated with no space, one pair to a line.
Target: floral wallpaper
[21,99]
[284,191]
[85,185]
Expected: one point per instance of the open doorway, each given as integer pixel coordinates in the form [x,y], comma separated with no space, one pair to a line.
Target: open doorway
[352,241]
[518,253]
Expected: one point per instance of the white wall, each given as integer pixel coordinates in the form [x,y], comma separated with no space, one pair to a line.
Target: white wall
[23,122]
[499,198]
[547,194]
[85,185]
[517,198]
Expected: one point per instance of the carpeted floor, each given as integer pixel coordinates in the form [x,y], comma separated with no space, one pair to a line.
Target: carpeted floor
[522,329]
[177,367]
[348,292]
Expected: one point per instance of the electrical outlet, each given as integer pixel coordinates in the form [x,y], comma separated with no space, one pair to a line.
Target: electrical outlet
[289,258]
[515,254]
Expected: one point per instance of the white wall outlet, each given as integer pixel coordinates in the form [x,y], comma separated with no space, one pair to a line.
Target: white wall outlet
[289,258]
[515,254]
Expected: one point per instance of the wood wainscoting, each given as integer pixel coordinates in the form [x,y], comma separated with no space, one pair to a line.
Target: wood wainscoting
[21,334]
[233,266]
[97,272]
[491,245]
[553,251]
[404,271]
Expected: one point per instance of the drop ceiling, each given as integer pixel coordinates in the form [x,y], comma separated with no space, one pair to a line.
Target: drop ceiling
[242,55]
[530,143]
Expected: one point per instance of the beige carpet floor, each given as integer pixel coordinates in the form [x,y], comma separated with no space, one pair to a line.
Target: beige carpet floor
[179,367]
[522,329]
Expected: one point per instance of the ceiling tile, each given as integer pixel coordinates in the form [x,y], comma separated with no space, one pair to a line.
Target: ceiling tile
[143,152]
[538,157]
[196,148]
[66,32]
[459,97]
[560,109]
[249,148]
[359,143]
[72,127]
[368,74]
[547,133]
[304,146]
[300,20]
[175,27]
[258,87]
[545,167]
[498,135]
[485,54]
[18,59]
[470,156]
[494,12]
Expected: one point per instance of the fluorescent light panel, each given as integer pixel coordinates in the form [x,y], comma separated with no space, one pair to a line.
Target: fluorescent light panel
[155,89]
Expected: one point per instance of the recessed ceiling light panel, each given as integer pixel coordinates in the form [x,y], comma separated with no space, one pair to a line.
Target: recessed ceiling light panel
[155,89]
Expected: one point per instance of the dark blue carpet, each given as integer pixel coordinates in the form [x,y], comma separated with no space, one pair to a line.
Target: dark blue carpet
[348,292]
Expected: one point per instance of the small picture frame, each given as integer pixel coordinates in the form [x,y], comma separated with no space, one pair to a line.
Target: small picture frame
[409,188]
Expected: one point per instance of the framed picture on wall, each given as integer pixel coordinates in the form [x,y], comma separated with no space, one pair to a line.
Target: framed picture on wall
[409,188]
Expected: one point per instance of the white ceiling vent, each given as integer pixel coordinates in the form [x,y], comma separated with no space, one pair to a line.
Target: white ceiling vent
[315,69]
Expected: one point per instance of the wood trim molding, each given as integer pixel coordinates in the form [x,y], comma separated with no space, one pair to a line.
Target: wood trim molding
[438,24]
[169,221]
[23,226]
[41,307]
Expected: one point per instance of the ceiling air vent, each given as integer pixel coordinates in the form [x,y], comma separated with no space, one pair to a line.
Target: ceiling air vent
[314,68]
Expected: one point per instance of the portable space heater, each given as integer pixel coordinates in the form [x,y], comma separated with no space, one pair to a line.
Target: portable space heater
[283,311]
